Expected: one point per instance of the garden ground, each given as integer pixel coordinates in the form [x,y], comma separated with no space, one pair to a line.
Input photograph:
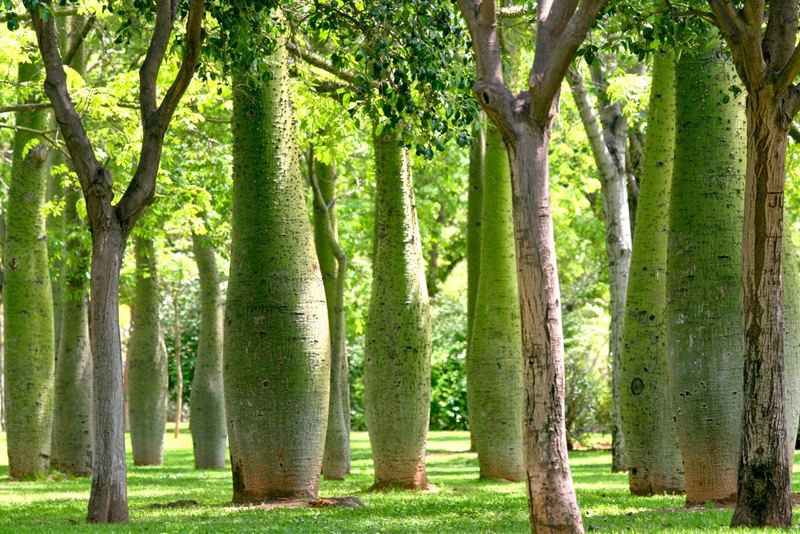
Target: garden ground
[461,503]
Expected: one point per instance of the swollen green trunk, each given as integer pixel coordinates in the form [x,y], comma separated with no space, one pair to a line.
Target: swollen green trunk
[28,301]
[494,367]
[654,459]
[277,346]
[703,287]
[336,459]
[147,375]
[72,417]
[209,432]
[397,355]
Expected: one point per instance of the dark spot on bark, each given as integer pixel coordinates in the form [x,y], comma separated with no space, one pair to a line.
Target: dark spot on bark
[633,471]
[13,264]
[262,335]
[238,482]
[652,317]
[723,257]
[485,97]
[265,384]
[637,386]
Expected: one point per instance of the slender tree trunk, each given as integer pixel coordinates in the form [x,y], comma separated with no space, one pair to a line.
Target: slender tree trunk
[108,501]
[2,334]
[397,355]
[277,344]
[551,495]
[609,144]
[477,155]
[494,368]
[126,419]
[29,339]
[703,308]
[207,423]
[333,265]
[72,418]
[764,477]
[178,364]
[147,377]
[654,459]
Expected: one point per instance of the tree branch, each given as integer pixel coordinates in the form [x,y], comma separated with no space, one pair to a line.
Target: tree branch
[316,60]
[789,72]
[25,107]
[78,40]
[64,12]
[156,118]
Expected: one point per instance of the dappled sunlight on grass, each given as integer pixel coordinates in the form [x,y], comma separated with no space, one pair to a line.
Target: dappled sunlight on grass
[460,502]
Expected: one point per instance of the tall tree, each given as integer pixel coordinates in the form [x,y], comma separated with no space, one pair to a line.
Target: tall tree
[398,336]
[28,301]
[72,412]
[607,130]
[764,46]
[333,266]
[494,367]
[276,342]
[111,224]
[525,121]
[207,401]
[703,330]
[654,459]
[147,374]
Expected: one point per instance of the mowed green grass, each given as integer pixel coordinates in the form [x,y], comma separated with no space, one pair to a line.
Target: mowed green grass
[461,503]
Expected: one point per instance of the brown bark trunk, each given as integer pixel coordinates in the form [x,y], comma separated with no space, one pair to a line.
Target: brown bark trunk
[108,502]
[764,484]
[551,495]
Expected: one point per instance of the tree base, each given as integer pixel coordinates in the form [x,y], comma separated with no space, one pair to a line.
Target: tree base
[397,485]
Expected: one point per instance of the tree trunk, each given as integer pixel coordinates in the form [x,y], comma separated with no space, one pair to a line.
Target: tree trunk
[72,417]
[609,145]
[276,343]
[108,501]
[176,309]
[494,367]
[336,459]
[397,354]
[147,375]
[2,329]
[654,459]
[29,339]
[552,502]
[703,310]
[126,412]
[764,481]
[477,154]
[207,423]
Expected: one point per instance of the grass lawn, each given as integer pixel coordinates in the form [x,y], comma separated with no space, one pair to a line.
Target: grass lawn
[461,503]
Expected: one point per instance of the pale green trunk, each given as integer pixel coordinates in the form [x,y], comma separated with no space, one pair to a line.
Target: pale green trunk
[477,155]
[209,431]
[494,367]
[276,343]
[147,374]
[336,460]
[397,355]
[653,456]
[28,302]
[72,417]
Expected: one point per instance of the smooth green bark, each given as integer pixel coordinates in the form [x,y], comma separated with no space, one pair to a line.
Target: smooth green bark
[397,355]
[333,266]
[72,417]
[147,375]
[653,456]
[494,367]
[208,427]
[28,301]
[276,343]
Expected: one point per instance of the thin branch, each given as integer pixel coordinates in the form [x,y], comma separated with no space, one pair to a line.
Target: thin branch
[33,106]
[44,134]
[64,12]
[316,60]
[788,73]
[77,42]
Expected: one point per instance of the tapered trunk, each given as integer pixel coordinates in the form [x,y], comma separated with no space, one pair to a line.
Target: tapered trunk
[72,417]
[176,329]
[607,129]
[477,154]
[764,481]
[108,501]
[654,459]
[147,375]
[336,459]
[276,343]
[703,326]
[552,502]
[28,302]
[207,402]
[397,358]
[494,367]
